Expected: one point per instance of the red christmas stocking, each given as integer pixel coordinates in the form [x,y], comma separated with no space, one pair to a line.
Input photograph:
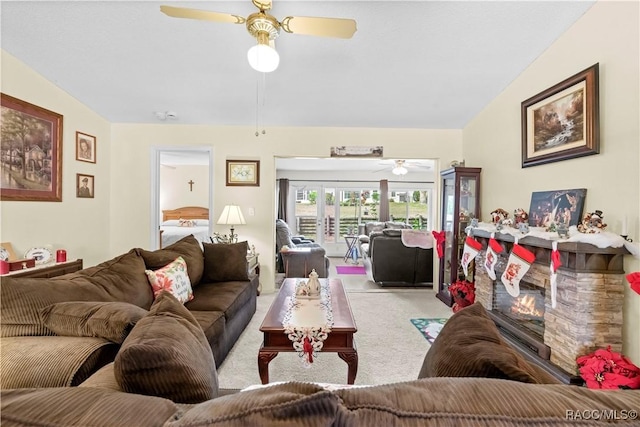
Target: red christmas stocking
[555,264]
[439,236]
[519,262]
[491,257]
[471,248]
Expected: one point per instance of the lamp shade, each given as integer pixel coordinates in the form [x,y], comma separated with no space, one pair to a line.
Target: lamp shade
[231,215]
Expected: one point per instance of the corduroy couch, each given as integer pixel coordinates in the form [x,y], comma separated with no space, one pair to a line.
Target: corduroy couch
[469,377]
[59,331]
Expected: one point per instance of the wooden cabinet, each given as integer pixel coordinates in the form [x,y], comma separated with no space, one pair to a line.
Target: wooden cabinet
[50,270]
[460,188]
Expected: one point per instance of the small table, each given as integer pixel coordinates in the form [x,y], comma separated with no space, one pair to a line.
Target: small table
[340,339]
[351,240]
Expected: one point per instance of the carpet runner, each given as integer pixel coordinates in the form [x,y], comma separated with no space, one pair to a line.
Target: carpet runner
[351,269]
[429,328]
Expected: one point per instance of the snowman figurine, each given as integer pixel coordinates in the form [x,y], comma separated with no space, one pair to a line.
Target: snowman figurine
[313,284]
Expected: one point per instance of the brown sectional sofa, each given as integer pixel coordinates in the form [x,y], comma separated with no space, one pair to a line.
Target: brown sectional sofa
[470,377]
[91,303]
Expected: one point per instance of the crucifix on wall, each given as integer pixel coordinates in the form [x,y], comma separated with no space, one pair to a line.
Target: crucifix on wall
[190,184]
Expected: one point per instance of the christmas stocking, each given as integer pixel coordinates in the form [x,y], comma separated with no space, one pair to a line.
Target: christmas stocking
[471,249]
[518,264]
[491,258]
[555,264]
[439,236]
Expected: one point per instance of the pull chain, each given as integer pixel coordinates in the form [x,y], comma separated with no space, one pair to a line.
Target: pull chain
[259,105]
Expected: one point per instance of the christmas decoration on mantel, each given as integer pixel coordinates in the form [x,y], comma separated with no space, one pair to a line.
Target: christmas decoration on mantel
[592,222]
[555,264]
[519,262]
[491,257]
[471,248]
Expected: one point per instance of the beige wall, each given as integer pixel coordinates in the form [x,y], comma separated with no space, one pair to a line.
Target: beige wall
[131,145]
[607,34]
[81,226]
[174,187]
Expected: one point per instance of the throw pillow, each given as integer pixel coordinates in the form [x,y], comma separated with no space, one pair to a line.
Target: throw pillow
[173,278]
[225,262]
[167,355]
[470,345]
[109,320]
[187,247]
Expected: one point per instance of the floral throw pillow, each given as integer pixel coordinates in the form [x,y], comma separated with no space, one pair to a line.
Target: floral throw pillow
[173,278]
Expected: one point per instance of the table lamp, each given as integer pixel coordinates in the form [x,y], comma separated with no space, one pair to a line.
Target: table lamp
[231,215]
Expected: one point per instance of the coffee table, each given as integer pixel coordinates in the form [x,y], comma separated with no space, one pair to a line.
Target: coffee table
[340,339]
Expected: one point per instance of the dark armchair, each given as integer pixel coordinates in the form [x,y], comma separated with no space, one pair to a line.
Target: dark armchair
[315,258]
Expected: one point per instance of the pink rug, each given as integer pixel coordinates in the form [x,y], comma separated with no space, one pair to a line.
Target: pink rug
[351,269]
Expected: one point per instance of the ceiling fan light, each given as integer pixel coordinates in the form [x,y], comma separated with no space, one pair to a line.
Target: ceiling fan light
[263,58]
[399,170]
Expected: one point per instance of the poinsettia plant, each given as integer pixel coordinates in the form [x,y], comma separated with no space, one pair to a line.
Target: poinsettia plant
[463,294]
[606,369]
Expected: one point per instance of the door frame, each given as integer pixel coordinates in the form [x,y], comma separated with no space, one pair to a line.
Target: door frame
[155,153]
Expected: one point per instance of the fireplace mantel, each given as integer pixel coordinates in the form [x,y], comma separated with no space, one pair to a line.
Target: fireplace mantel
[590,296]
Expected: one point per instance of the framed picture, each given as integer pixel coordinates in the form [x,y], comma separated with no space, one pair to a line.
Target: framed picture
[557,206]
[243,172]
[562,122]
[356,151]
[85,147]
[84,186]
[31,152]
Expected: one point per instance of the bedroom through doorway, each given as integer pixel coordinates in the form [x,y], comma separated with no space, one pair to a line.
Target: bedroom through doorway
[182,194]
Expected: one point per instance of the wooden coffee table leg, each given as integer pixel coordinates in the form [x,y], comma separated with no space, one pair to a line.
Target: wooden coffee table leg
[264,357]
[352,365]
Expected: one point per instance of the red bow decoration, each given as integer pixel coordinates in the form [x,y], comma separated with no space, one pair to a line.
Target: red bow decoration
[439,236]
[634,281]
[308,349]
[555,260]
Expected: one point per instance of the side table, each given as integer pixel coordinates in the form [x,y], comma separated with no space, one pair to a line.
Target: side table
[352,249]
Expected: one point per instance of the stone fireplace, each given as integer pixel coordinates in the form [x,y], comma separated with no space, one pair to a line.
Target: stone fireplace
[588,313]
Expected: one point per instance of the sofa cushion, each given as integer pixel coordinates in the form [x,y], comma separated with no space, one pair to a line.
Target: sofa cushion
[223,262]
[227,297]
[167,355]
[470,345]
[119,279]
[104,377]
[82,407]
[212,323]
[109,320]
[172,278]
[187,247]
[52,361]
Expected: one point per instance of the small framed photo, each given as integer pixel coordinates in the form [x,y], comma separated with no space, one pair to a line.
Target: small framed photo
[84,186]
[243,173]
[85,147]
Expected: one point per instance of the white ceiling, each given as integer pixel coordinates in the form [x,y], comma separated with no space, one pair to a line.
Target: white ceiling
[411,64]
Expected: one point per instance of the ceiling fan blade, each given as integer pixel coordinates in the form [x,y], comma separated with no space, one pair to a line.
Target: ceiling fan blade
[315,26]
[204,15]
[263,5]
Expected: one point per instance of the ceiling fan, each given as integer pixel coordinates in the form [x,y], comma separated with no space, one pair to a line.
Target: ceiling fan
[401,167]
[266,28]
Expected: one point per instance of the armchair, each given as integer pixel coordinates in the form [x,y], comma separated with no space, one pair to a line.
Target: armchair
[285,237]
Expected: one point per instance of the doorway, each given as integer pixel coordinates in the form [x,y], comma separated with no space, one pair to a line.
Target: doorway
[180,176]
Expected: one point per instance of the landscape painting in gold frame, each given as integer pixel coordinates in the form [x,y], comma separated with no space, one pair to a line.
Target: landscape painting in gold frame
[562,122]
[243,173]
[31,152]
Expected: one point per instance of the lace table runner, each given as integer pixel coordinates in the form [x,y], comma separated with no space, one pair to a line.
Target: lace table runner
[308,321]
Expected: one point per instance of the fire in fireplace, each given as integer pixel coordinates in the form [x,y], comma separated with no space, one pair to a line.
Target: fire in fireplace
[526,310]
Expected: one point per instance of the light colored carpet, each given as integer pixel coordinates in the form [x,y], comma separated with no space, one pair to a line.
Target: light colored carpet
[390,348]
